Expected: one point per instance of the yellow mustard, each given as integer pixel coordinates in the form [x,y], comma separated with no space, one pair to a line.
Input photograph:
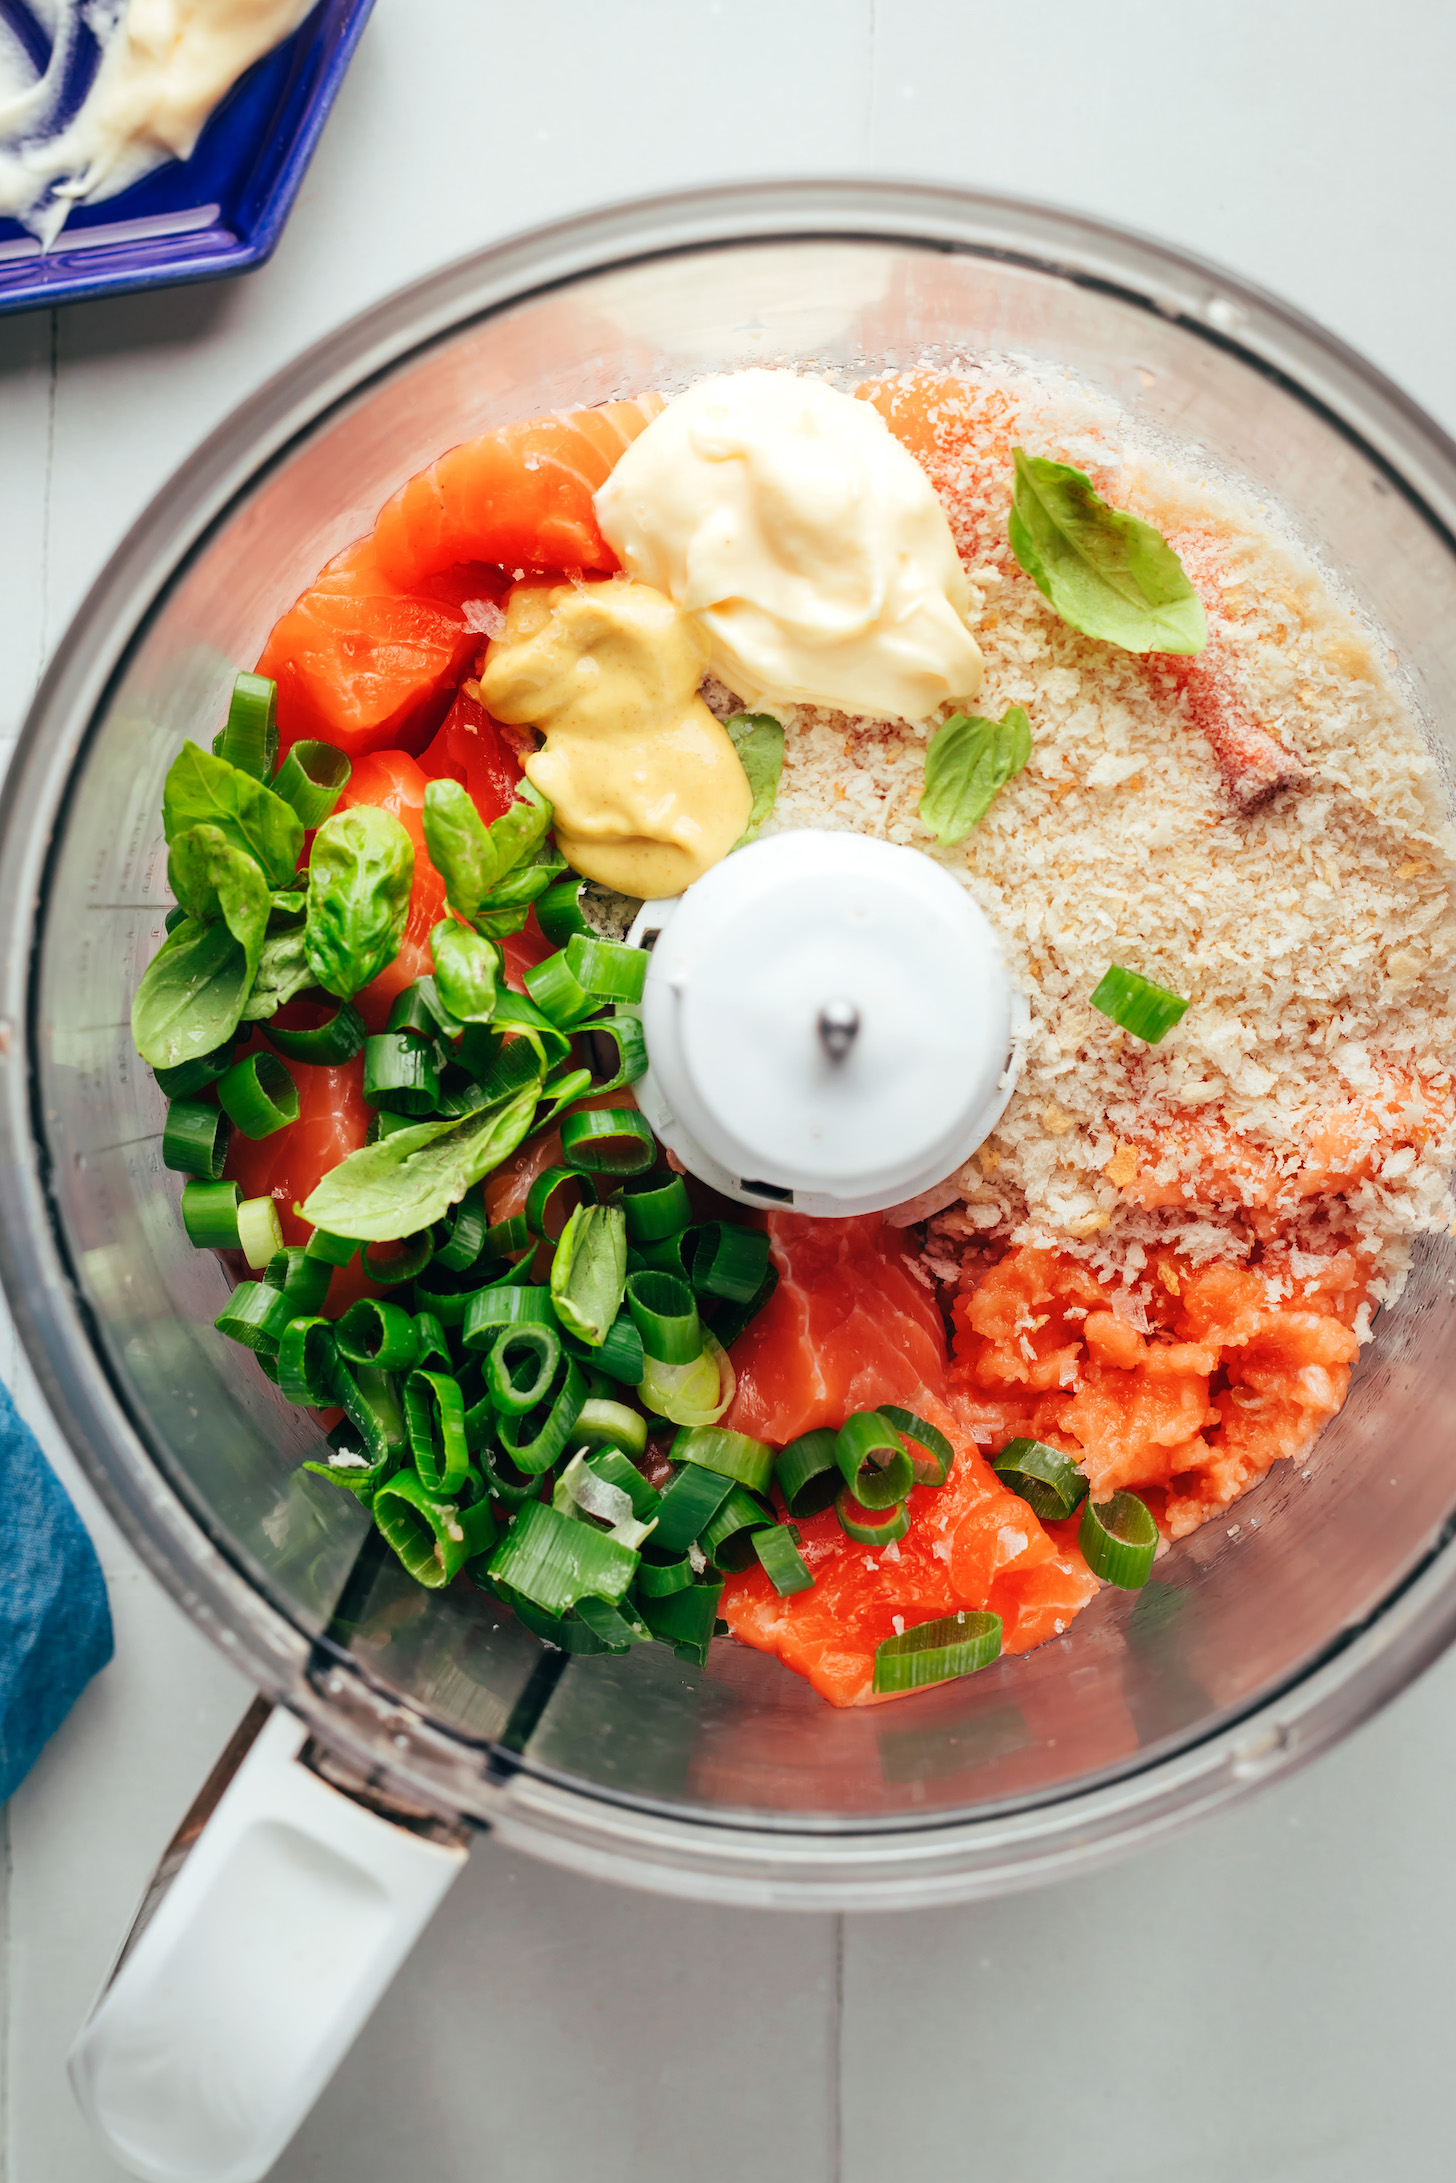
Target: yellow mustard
[647,787]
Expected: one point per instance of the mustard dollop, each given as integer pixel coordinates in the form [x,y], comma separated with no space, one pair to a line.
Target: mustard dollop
[648,789]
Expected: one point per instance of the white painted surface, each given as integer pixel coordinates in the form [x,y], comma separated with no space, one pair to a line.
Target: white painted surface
[1269,1997]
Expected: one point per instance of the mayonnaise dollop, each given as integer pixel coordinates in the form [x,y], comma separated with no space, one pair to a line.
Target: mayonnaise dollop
[807,541]
[164,66]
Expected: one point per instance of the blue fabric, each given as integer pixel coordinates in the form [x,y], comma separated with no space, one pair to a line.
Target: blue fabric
[55,1625]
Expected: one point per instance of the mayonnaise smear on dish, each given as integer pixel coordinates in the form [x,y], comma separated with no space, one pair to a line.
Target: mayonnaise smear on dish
[807,541]
[164,66]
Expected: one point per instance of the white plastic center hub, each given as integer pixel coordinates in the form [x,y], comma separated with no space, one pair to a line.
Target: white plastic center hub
[828,1023]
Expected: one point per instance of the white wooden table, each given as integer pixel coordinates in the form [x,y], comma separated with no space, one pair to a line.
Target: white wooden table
[1270,1999]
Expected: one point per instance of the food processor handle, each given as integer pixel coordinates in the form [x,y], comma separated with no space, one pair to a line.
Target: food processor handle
[244,1982]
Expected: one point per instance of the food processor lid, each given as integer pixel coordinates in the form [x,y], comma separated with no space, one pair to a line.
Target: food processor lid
[829,1023]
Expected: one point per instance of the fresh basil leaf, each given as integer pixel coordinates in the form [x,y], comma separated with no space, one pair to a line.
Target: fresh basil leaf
[518,833]
[1106,573]
[474,859]
[359,880]
[968,763]
[411,1178]
[201,790]
[528,882]
[467,971]
[589,1271]
[212,878]
[759,741]
[284,971]
[191,995]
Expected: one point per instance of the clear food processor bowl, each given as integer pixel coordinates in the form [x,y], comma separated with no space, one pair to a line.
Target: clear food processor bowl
[1244,1654]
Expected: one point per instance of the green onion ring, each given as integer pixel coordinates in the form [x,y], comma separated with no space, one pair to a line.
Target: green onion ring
[665,1314]
[616,1469]
[407,1264]
[306,1362]
[430,1341]
[258,1095]
[727,1537]
[303,1280]
[533,1442]
[867,1529]
[872,1460]
[513,1488]
[1149,1011]
[1119,1540]
[607,1424]
[808,1473]
[554,1562]
[504,1304]
[260,1232]
[249,737]
[656,1206]
[686,1620]
[210,1214]
[400,1073]
[556,992]
[630,1040]
[607,1141]
[327,1044]
[549,1204]
[732,1319]
[369,1399]
[748,1462]
[690,1394]
[606,970]
[194,1076]
[312,778]
[508,1237]
[729,1260]
[1047,1480]
[932,1455]
[256,1316]
[778,1551]
[465,1228]
[195,1139]
[427,1534]
[381,1334]
[659,1580]
[333,1250]
[937,1652]
[534,1349]
[568,1632]
[434,1419]
[689,1501]
[558,910]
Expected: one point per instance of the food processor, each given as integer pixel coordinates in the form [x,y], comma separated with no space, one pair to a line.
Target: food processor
[401,1719]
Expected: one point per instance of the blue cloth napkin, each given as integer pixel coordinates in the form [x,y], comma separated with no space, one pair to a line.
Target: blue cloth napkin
[55,1625]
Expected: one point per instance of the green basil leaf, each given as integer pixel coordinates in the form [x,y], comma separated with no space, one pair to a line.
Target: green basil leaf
[212,878]
[589,1271]
[527,882]
[201,790]
[759,741]
[411,1178]
[284,971]
[968,763]
[1105,572]
[467,971]
[191,995]
[473,858]
[359,880]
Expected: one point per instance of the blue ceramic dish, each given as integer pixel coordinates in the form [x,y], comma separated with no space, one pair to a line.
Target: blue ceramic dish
[218,212]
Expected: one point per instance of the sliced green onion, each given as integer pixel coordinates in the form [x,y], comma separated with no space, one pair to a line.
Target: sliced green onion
[194,1076]
[327,1044]
[689,1502]
[732,1319]
[669,1254]
[872,1460]
[733,1455]
[405,1264]
[607,1141]
[626,1034]
[727,1537]
[258,1095]
[400,1073]
[369,1399]
[431,1344]
[1048,1481]
[568,1632]
[870,1527]
[552,1199]
[618,1628]
[534,1031]
[556,992]
[558,910]
[260,1232]
[1119,1539]
[521,1367]
[729,1261]
[614,1469]
[482,1532]
[621,1355]
[249,739]
[533,1442]
[210,1214]
[605,969]
[303,1280]
[306,1362]
[507,1237]
[333,1250]
[427,1534]
[690,1394]
[195,1139]
[607,1424]
[666,1316]
[312,778]
[685,1620]
[254,1315]
[434,1419]
[501,1305]
[445,1295]
[582,1493]
[465,1232]
[937,1652]
[660,1579]
[808,1472]
[511,1487]
[554,1562]
[382,1123]
[409,1011]
[656,1206]
[1149,1011]
[381,1334]
[440,1017]
[779,1552]
[932,1454]
[562,1090]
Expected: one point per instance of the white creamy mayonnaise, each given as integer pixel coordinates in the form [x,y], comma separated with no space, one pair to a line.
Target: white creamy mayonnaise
[809,543]
[164,66]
